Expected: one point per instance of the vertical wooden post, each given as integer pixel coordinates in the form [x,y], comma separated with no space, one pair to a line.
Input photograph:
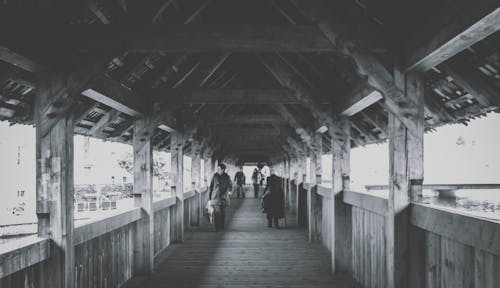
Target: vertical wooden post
[54,180]
[196,181]
[143,197]
[177,170]
[341,214]
[405,171]
[295,186]
[314,204]
[208,171]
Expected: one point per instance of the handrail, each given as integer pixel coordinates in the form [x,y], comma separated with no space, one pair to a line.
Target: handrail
[22,253]
[189,194]
[98,227]
[325,192]
[369,202]
[442,186]
[466,229]
[163,203]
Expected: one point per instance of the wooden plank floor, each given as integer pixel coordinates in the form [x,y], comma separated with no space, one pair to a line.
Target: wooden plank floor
[246,254]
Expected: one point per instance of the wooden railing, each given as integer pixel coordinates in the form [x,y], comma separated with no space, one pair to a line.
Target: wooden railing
[446,249]
[439,187]
[449,249]
[104,248]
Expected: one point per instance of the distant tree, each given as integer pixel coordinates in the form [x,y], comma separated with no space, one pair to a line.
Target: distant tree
[126,161]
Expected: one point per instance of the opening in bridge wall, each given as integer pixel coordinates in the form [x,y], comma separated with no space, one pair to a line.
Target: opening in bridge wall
[17,181]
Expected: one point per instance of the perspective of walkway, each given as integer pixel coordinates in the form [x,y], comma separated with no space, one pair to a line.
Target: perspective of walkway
[246,254]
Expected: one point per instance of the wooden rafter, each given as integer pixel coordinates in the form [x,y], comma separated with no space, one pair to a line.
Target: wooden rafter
[198,38]
[113,94]
[230,96]
[472,22]
[378,76]
[472,81]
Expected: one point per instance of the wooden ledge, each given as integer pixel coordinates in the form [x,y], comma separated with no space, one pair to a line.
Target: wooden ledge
[468,230]
[325,192]
[189,194]
[368,202]
[163,203]
[99,227]
[20,254]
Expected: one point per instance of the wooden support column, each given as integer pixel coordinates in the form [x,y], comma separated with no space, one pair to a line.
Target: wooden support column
[405,179]
[341,213]
[177,170]
[294,186]
[289,184]
[196,182]
[54,181]
[143,197]
[314,204]
[208,171]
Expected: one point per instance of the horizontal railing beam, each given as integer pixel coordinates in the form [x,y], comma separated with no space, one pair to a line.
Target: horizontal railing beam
[20,254]
[368,202]
[89,231]
[468,230]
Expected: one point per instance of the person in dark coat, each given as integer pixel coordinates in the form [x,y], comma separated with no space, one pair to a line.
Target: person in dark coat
[219,191]
[274,200]
[240,180]
[255,181]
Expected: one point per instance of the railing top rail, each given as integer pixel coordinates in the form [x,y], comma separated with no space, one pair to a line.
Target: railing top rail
[373,203]
[466,229]
[98,227]
[442,186]
[20,254]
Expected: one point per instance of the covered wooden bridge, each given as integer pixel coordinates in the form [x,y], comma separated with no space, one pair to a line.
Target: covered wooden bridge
[241,82]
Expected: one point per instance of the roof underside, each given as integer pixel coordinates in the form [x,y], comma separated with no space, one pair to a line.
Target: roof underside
[245,102]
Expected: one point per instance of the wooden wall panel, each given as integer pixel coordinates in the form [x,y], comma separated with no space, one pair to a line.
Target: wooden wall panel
[105,261]
[162,229]
[452,264]
[368,248]
[33,276]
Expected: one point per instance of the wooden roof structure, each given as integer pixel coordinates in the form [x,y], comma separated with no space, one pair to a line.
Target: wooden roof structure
[252,80]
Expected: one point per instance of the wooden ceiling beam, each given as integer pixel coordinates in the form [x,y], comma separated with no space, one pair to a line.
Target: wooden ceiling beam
[361,97]
[197,38]
[231,96]
[247,119]
[340,35]
[288,79]
[470,22]
[115,95]
[19,61]
[214,68]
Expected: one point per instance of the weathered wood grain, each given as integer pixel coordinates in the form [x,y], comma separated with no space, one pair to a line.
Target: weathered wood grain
[246,254]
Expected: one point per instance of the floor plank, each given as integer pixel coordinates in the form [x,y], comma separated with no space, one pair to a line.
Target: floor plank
[246,254]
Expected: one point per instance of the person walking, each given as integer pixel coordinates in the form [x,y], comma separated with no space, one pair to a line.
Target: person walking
[219,192]
[240,179]
[255,182]
[273,200]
